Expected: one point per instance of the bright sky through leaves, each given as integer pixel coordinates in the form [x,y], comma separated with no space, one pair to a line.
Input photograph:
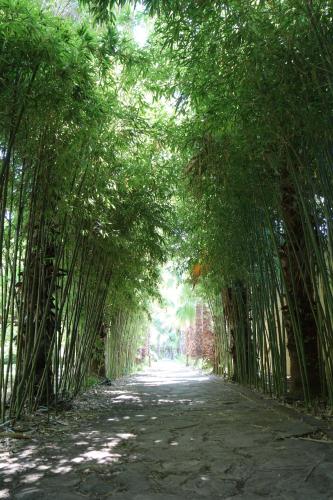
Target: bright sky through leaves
[164,316]
[140,34]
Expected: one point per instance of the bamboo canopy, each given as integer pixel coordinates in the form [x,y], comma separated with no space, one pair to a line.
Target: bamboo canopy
[210,145]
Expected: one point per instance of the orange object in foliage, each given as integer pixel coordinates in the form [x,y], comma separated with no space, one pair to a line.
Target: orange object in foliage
[197,270]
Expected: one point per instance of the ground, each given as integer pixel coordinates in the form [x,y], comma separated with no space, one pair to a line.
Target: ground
[171,433]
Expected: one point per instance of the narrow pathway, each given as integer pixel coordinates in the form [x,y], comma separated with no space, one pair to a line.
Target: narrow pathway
[171,433]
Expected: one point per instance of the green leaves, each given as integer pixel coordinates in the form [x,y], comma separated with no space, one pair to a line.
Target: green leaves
[104,10]
[86,189]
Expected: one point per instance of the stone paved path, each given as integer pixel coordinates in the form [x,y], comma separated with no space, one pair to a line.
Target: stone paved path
[164,435]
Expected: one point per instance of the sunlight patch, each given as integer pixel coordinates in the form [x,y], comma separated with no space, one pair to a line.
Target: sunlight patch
[126,435]
[104,455]
[31,478]
[62,470]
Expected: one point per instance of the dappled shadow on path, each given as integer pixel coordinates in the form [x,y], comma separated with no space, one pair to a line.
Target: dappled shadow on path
[169,432]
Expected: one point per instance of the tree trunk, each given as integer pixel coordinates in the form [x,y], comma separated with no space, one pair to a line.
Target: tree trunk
[235,305]
[39,327]
[299,306]
[98,366]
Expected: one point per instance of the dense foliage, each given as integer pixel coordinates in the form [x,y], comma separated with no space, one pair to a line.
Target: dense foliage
[84,200]
[254,82]
[212,145]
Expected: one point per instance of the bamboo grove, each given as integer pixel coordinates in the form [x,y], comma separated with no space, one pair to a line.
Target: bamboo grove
[81,214]
[101,183]
[252,85]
